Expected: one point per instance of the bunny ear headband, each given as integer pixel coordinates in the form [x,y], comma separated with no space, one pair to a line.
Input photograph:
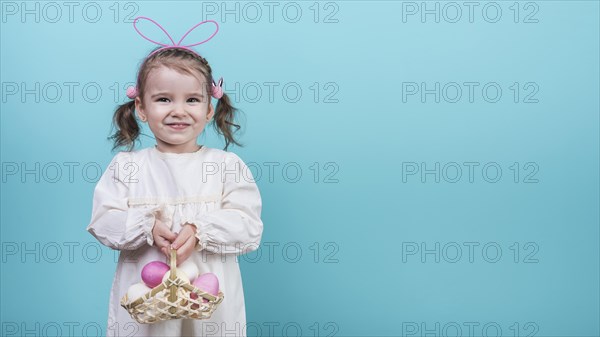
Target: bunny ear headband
[217,89]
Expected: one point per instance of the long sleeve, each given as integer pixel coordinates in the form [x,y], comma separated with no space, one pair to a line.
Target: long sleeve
[235,228]
[113,222]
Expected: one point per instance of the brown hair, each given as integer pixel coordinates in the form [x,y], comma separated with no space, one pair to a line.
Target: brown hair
[185,62]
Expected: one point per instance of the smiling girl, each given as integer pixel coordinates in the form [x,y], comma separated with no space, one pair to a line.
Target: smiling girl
[161,196]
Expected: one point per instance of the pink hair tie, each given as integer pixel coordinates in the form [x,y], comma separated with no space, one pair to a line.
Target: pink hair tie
[217,90]
[132,92]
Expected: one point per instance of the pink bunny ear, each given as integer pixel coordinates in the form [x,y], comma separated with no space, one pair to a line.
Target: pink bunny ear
[173,44]
[217,90]
[201,42]
[159,26]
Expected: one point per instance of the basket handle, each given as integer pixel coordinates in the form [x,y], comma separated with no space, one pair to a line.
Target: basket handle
[173,262]
[172,276]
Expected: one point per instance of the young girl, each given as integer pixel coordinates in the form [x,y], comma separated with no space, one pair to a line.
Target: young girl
[201,201]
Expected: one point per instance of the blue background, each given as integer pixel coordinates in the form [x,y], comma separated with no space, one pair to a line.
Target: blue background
[340,260]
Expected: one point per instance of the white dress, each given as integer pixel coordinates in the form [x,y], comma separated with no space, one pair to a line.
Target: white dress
[210,188]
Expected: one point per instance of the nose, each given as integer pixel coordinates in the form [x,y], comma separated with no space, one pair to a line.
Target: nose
[178,109]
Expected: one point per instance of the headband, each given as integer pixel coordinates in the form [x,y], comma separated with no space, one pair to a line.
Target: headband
[217,88]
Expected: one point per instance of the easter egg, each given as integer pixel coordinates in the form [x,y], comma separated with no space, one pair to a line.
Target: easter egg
[208,282]
[190,269]
[153,272]
[159,307]
[136,291]
[179,274]
[181,292]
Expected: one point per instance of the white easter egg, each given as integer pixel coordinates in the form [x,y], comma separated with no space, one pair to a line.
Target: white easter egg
[163,306]
[180,274]
[154,312]
[190,269]
[136,291]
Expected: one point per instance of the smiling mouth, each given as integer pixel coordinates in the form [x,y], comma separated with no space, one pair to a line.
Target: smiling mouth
[178,125]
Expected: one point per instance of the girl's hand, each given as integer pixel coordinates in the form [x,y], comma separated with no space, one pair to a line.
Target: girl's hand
[163,237]
[185,242]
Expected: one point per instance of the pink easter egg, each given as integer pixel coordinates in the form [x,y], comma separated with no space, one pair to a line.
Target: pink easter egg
[208,282]
[153,272]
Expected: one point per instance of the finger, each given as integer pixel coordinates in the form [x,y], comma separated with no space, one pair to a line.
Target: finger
[161,242]
[186,250]
[181,238]
[179,241]
[189,244]
[171,236]
[167,234]
[166,238]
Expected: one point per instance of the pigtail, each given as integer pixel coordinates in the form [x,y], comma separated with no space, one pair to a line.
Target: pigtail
[127,127]
[224,117]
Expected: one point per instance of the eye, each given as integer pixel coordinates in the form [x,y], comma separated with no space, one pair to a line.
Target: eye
[161,99]
[194,98]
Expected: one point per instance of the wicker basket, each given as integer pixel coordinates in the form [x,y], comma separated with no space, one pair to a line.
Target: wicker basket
[171,300]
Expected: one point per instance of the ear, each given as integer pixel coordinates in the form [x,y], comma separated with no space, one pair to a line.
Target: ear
[139,110]
[211,111]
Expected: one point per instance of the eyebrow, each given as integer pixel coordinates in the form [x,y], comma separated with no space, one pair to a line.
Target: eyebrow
[162,93]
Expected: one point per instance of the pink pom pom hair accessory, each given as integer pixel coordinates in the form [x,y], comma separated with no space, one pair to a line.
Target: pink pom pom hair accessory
[217,88]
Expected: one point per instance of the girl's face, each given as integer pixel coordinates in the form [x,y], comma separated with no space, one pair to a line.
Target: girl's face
[176,107]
